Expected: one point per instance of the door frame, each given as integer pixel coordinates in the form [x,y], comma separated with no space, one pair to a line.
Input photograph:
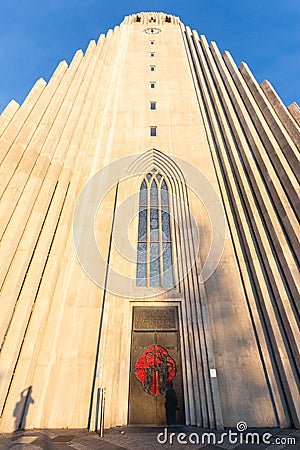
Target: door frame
[177,302]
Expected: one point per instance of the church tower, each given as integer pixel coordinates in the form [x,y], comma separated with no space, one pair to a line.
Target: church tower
[149,238]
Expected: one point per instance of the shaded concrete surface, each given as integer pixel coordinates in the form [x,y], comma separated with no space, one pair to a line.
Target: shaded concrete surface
[142,438]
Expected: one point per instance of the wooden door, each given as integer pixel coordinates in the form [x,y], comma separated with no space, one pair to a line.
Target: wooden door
[155,362]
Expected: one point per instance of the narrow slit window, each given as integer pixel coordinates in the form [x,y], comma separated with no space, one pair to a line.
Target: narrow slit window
[152,106]
[153,131]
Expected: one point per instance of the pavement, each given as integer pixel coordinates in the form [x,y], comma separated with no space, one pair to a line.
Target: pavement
[144,438]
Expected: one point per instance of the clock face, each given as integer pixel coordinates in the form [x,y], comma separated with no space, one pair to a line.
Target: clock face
[152,30]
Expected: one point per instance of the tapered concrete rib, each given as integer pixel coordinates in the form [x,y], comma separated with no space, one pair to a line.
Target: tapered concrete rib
[7,114]
[295,112]
[269,145]
[31,157]
[74,88]
[261,160]
[54,148]
[264,170]
[20,118]
[285,142]
[269,178]
[34,192]
[286,259]
[282,112]
[219,123]
[257,224]
[202,94]
[211,387]
[15,151]
[39,321]
[28,197]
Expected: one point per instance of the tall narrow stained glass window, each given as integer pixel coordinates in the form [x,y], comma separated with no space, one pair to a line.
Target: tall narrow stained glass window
[154,252]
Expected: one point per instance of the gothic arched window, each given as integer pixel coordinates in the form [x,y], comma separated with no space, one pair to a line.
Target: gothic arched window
[154,253]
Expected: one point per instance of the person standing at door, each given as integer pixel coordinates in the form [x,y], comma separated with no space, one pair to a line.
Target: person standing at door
[171,405]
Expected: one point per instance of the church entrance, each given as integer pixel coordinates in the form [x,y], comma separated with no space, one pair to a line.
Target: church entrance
[155,365]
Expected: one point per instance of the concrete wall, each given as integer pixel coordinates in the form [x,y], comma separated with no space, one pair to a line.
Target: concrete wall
[241,321]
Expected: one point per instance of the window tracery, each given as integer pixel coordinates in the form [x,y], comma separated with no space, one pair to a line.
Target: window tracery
[154,253]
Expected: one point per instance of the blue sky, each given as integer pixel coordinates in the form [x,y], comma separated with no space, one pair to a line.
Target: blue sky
[35,35]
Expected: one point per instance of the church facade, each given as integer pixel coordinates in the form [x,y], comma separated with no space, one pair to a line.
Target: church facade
[149,239]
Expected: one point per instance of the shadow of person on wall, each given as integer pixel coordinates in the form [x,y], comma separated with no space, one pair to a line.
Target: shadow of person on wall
[171,405]
[21,408]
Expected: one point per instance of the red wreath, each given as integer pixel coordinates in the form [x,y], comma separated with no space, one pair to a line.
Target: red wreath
[155,369]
